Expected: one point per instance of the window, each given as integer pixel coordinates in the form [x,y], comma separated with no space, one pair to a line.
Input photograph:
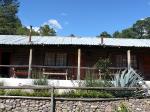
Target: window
[56,59]
[121,61]
[61,59]
[134,61]
[50,59]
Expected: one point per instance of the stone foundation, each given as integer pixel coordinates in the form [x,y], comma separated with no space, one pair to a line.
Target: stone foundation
[19,104]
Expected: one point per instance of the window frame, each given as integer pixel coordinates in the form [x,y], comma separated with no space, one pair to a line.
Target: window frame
[55,59]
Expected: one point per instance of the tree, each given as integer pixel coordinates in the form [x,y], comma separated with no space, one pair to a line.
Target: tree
[25,31]
[47,31]
[147,27]
[128,33]
[117,34]
[71,35]
[139,28]
[9,22]
[104,34]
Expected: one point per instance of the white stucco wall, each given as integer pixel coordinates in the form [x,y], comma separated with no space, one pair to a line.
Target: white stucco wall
[20,82]
[64,83]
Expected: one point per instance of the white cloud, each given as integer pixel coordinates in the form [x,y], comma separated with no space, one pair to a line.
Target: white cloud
[36,28]
[142,19]
[54,24]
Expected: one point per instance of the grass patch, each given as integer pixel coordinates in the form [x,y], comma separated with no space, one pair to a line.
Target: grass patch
[85,94]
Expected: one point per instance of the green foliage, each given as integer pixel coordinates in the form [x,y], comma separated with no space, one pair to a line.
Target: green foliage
[16,92]
[47,31]
[117,34]
[140,29]
[41,81]
[91,81]
[103,65]
[71,35]
[105,34]
[127,78]
[9,22]
[25,31]
[122,108]
[37,74]
[2,92]
[128,33]
[85,94]
[1,83]
[41,93]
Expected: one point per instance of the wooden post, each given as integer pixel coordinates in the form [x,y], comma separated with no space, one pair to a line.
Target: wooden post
[30,63]
[129,59]
[79,64]
[30,54]
[52,99]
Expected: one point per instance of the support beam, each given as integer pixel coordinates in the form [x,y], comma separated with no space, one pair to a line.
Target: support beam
[79,64]
[129,59]
[30,54]
[30,63]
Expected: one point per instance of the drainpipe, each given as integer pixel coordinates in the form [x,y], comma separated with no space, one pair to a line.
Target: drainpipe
[30,55]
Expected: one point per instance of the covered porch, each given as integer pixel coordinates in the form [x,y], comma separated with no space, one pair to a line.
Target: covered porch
[69,62]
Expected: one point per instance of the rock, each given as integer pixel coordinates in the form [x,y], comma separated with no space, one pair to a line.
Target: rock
[108,109]
[2,106]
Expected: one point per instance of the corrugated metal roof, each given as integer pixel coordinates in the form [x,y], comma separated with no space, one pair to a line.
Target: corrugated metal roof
[53,40]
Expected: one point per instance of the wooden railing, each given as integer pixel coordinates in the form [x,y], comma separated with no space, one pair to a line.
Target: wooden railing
[64,72]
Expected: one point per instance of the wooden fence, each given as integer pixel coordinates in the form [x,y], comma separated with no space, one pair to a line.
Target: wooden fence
[74,88]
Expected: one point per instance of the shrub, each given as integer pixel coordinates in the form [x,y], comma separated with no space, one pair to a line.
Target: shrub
[2,92]
[91,81]
[103,65]
[85,94]
[122,108]
[17,92]
[41,81]
[127,78]
[1,83]
[41,94]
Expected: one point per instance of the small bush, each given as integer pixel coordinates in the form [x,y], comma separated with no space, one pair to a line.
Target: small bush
[85,94]
[2,92]
[122,108]
[103,65]
[41,81]
[17,92]
[91,81]
[41,94]
[1,83]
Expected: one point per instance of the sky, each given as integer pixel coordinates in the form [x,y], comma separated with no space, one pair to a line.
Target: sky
[83,17]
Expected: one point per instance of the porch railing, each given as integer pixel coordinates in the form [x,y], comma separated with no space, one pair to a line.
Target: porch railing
[60,72]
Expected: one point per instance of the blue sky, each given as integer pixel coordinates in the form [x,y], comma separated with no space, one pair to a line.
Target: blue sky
[83,17]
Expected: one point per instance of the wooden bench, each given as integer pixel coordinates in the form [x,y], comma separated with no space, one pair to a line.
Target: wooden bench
[20,72]
[52,72]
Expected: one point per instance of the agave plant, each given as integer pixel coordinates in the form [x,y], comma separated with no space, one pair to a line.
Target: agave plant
[127,78]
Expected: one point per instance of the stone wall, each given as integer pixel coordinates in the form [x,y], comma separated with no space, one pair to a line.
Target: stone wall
[43,105]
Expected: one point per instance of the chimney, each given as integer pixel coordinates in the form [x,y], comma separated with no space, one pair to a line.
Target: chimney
[30,34]
[102,40]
